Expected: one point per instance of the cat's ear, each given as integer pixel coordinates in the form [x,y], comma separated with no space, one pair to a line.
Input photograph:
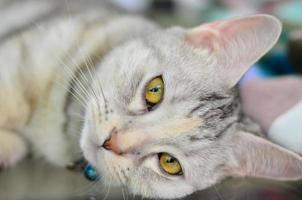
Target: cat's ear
[237,43]
[257,157]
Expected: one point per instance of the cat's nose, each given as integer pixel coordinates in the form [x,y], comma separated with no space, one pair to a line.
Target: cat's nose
[111,143]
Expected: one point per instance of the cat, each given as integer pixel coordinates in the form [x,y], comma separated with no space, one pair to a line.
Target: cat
[160,110]
[168,121]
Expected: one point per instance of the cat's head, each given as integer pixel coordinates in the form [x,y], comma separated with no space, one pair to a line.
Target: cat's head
[162,118]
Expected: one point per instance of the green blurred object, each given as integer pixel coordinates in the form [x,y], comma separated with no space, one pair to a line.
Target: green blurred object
[290,12]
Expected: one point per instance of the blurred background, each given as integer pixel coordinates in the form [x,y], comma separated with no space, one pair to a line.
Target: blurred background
[37,180]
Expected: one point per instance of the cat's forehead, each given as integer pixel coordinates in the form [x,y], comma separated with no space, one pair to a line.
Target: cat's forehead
[160,53]
[136,59]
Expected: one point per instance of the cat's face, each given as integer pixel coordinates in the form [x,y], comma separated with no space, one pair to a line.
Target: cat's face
[171,126]
[160,120]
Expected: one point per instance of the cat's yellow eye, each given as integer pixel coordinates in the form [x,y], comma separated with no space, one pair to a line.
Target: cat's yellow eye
[154,91]
[169,164]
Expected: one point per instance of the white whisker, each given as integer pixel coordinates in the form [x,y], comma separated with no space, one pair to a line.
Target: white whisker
[218,194]
[108,190]
[79,98]
[75,78]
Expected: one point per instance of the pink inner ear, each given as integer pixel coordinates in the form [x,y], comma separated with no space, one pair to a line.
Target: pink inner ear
[236,44]
[204,40]
[216,34]
[214,25]
[212,36]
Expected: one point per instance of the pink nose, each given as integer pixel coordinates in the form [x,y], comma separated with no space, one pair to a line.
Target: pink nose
[111,143]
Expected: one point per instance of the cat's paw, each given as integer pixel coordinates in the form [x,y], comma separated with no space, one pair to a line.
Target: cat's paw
[12,149]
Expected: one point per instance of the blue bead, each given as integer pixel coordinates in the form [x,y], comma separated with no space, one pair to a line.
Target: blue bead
[91,173]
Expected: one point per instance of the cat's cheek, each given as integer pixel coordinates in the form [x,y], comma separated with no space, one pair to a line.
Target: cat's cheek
[88,149]
[170,190]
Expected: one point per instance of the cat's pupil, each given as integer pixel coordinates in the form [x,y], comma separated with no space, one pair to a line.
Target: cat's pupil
[170,160]
[155,89]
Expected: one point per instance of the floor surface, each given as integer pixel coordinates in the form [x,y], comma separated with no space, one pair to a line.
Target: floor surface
[32,180]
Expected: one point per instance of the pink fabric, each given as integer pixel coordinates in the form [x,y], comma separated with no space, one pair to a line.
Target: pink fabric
[265,100]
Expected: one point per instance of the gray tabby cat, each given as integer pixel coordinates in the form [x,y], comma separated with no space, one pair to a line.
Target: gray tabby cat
[161,112]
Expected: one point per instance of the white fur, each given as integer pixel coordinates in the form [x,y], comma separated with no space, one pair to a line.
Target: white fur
[12,148]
